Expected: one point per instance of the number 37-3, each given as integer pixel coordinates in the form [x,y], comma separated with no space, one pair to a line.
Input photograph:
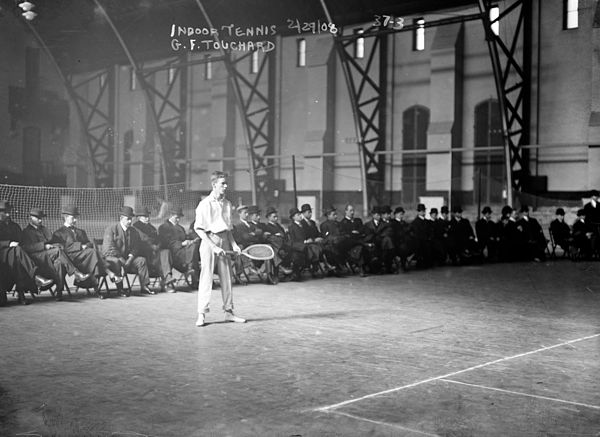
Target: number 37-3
[389,21]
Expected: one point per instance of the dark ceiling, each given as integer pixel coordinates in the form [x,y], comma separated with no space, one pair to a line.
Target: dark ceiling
[80,38]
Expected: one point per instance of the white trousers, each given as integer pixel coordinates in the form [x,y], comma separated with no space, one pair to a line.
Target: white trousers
[208,259]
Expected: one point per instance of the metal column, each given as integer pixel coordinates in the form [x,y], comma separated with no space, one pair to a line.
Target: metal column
[511,65]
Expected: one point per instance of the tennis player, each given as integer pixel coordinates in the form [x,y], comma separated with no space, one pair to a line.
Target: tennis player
[213,225]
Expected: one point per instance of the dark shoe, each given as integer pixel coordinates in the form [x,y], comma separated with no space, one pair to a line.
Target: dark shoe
[170,280]
[81,277]
[21,299]
[42,282]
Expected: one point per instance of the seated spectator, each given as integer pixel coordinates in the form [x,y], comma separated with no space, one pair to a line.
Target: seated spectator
[535,240]
[158,260]
[121,248]
[487,234]
[299,244]
[584,237]
[511,243]
[314,240]
[403,241]
[422,231]
[246,232]
[276,237]
[184,247]
[80,250]
[15,265]
[561,232]
[339,249]
[49,255]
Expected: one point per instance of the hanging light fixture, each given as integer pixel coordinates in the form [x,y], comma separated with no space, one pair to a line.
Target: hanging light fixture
[27,8]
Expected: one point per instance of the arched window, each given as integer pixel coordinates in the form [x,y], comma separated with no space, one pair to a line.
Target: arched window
[415,122]
[489,165]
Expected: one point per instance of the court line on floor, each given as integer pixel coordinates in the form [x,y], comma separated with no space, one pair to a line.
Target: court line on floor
[564,401]
[377,422]
[449,375]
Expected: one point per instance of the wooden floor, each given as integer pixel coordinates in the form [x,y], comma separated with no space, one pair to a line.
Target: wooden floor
[497,350]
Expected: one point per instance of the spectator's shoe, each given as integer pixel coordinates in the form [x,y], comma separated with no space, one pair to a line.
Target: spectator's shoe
[230,317]
[285,270]
[200,321]
[122,292]
[170,280]
[81,277]
[21,299]
[116,279]
[146,290]
[42,282]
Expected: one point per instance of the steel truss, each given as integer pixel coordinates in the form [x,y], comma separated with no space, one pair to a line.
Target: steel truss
[366,82]
[511,65]
[96,105]
[254,94]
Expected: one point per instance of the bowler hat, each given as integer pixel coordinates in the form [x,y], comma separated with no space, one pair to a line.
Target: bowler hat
[126,211]
[241,208]
[142,211]
[486,210]
[177,211]
[421,207]
[70,210]
[398,209]
[37,212]
[433,211]
[560,211]
[507,210]
[253,209]
[271,210]
[376,209]
[457,209]
[444,210]
[580,212]
[329,210]
[305,207]
[293,212]
[524,208]
[386,209]
[5,206]
[594,193]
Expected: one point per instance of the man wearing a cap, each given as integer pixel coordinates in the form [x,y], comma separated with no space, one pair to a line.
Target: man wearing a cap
[47,254]
[158,260]
[246,232]
[422,231]
[121,250]
[16,267]
[535,240]
[299,244]
[213,225]
[183,246]
[487,234]
[78,247]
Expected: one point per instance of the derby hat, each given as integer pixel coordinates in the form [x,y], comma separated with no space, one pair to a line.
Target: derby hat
[305,207]
[177,211]
[293,212]
[126,211]
[253,209]
[142,211]
[241,208]
[37,212]
[507,210]
[486,210]
[398,209]
[560,211]
[421,207]
[271,210]
[444,209]
[70,210]
[433,211]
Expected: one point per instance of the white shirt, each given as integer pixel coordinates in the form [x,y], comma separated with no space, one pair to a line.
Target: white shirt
[213,215]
